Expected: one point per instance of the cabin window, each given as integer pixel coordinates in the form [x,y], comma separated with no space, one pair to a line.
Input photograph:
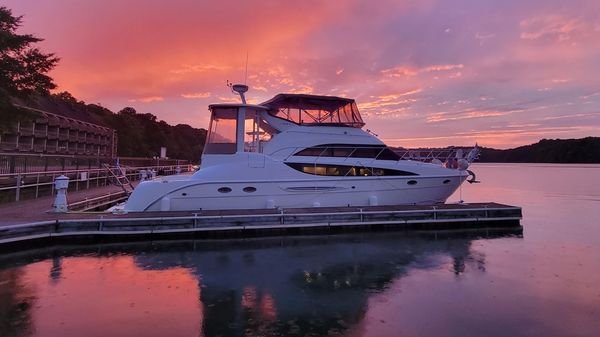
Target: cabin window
[366,152]
[249,189]
[224,190]
[447,181]
[346,170]
[412,182]
[257,131]
[222,133]
[388,154]
[348,150]
[314,110]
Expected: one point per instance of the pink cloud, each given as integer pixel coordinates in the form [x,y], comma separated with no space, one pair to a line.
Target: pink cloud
[552,27]
[196,95]
[446,116]
[407,71]
[147,99]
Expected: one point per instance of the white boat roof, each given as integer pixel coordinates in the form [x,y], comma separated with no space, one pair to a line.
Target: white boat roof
[237,105]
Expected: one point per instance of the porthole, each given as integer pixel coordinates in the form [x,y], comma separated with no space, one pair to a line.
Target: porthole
[412,182]
[224,190]
[447,181]
[249,189]
[184,194]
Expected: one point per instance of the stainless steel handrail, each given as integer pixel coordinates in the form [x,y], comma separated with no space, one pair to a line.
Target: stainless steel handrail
[93,178]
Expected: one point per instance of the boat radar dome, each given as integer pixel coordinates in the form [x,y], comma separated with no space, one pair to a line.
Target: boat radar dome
[240,89]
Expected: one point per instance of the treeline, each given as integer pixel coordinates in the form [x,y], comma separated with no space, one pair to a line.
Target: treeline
[139,134]
[584,150]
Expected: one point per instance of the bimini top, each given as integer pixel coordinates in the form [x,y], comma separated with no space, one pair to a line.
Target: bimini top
[315,110]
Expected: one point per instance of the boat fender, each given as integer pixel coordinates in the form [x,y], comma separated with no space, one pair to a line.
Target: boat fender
[471,178]
[463,164]
[373,201]
[165,204]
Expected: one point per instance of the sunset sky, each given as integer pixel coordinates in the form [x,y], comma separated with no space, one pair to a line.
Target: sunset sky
[424,72]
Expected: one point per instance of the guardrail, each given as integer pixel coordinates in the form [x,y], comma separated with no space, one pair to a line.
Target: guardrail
[101,202]
[429,218]
[17,186]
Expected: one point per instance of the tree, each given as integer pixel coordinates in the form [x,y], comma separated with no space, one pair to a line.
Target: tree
[23,69]
[127,111]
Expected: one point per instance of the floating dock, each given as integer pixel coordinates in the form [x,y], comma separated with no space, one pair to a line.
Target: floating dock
[55,228]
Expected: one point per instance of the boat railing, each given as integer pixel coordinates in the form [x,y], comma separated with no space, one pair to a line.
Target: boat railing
[428,155]
[444,155]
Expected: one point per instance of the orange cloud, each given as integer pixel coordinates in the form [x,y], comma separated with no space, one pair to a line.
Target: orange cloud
[442,67]
[390,106]
[452,116]
[198,68]
[488,138]
[147,99]
[196,95]
[550,26]
[405,71]
[401,71]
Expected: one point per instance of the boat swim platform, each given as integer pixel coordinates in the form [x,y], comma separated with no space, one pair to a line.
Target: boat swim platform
[53,228]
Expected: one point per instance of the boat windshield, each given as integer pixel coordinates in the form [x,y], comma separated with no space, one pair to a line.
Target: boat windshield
[315,110]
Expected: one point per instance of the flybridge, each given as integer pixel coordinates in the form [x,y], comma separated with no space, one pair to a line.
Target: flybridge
[237,128]
[315,110]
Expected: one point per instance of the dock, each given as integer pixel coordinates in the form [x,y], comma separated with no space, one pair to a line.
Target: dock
[43,228]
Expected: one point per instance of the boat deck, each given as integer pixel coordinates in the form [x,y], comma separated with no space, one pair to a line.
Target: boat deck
[37,226]
[34,210]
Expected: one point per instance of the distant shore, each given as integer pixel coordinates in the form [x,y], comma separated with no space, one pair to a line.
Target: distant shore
[558,151]
[551,151]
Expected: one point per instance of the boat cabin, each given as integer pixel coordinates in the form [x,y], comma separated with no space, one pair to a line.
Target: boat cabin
[238,128]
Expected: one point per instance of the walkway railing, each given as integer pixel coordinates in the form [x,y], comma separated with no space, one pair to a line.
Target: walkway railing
[29,185]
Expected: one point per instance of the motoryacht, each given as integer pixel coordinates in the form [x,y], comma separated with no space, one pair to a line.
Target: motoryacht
[298,151]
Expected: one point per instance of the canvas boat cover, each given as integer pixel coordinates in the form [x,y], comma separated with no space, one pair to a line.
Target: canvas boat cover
[313,110]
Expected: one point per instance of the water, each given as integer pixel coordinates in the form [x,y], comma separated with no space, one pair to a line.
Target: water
[543,283]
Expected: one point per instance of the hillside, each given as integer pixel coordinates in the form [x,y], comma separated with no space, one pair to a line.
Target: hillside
[584,150]
[139,134]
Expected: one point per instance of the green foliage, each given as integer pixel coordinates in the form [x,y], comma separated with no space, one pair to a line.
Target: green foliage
[584,150]
[23,68]
[141,135]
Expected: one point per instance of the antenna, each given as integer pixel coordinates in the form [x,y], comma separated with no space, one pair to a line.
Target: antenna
[246,73]
[240,89]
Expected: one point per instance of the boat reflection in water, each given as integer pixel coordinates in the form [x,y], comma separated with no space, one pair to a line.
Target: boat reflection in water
[258,287]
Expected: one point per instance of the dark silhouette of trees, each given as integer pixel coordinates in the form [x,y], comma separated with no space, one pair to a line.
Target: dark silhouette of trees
[583,150]
[142,135]
[23,68]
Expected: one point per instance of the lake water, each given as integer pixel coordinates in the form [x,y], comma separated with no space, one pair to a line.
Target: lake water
[545,282]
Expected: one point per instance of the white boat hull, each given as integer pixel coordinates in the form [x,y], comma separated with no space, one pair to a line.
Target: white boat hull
[297,151]
[372,191]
